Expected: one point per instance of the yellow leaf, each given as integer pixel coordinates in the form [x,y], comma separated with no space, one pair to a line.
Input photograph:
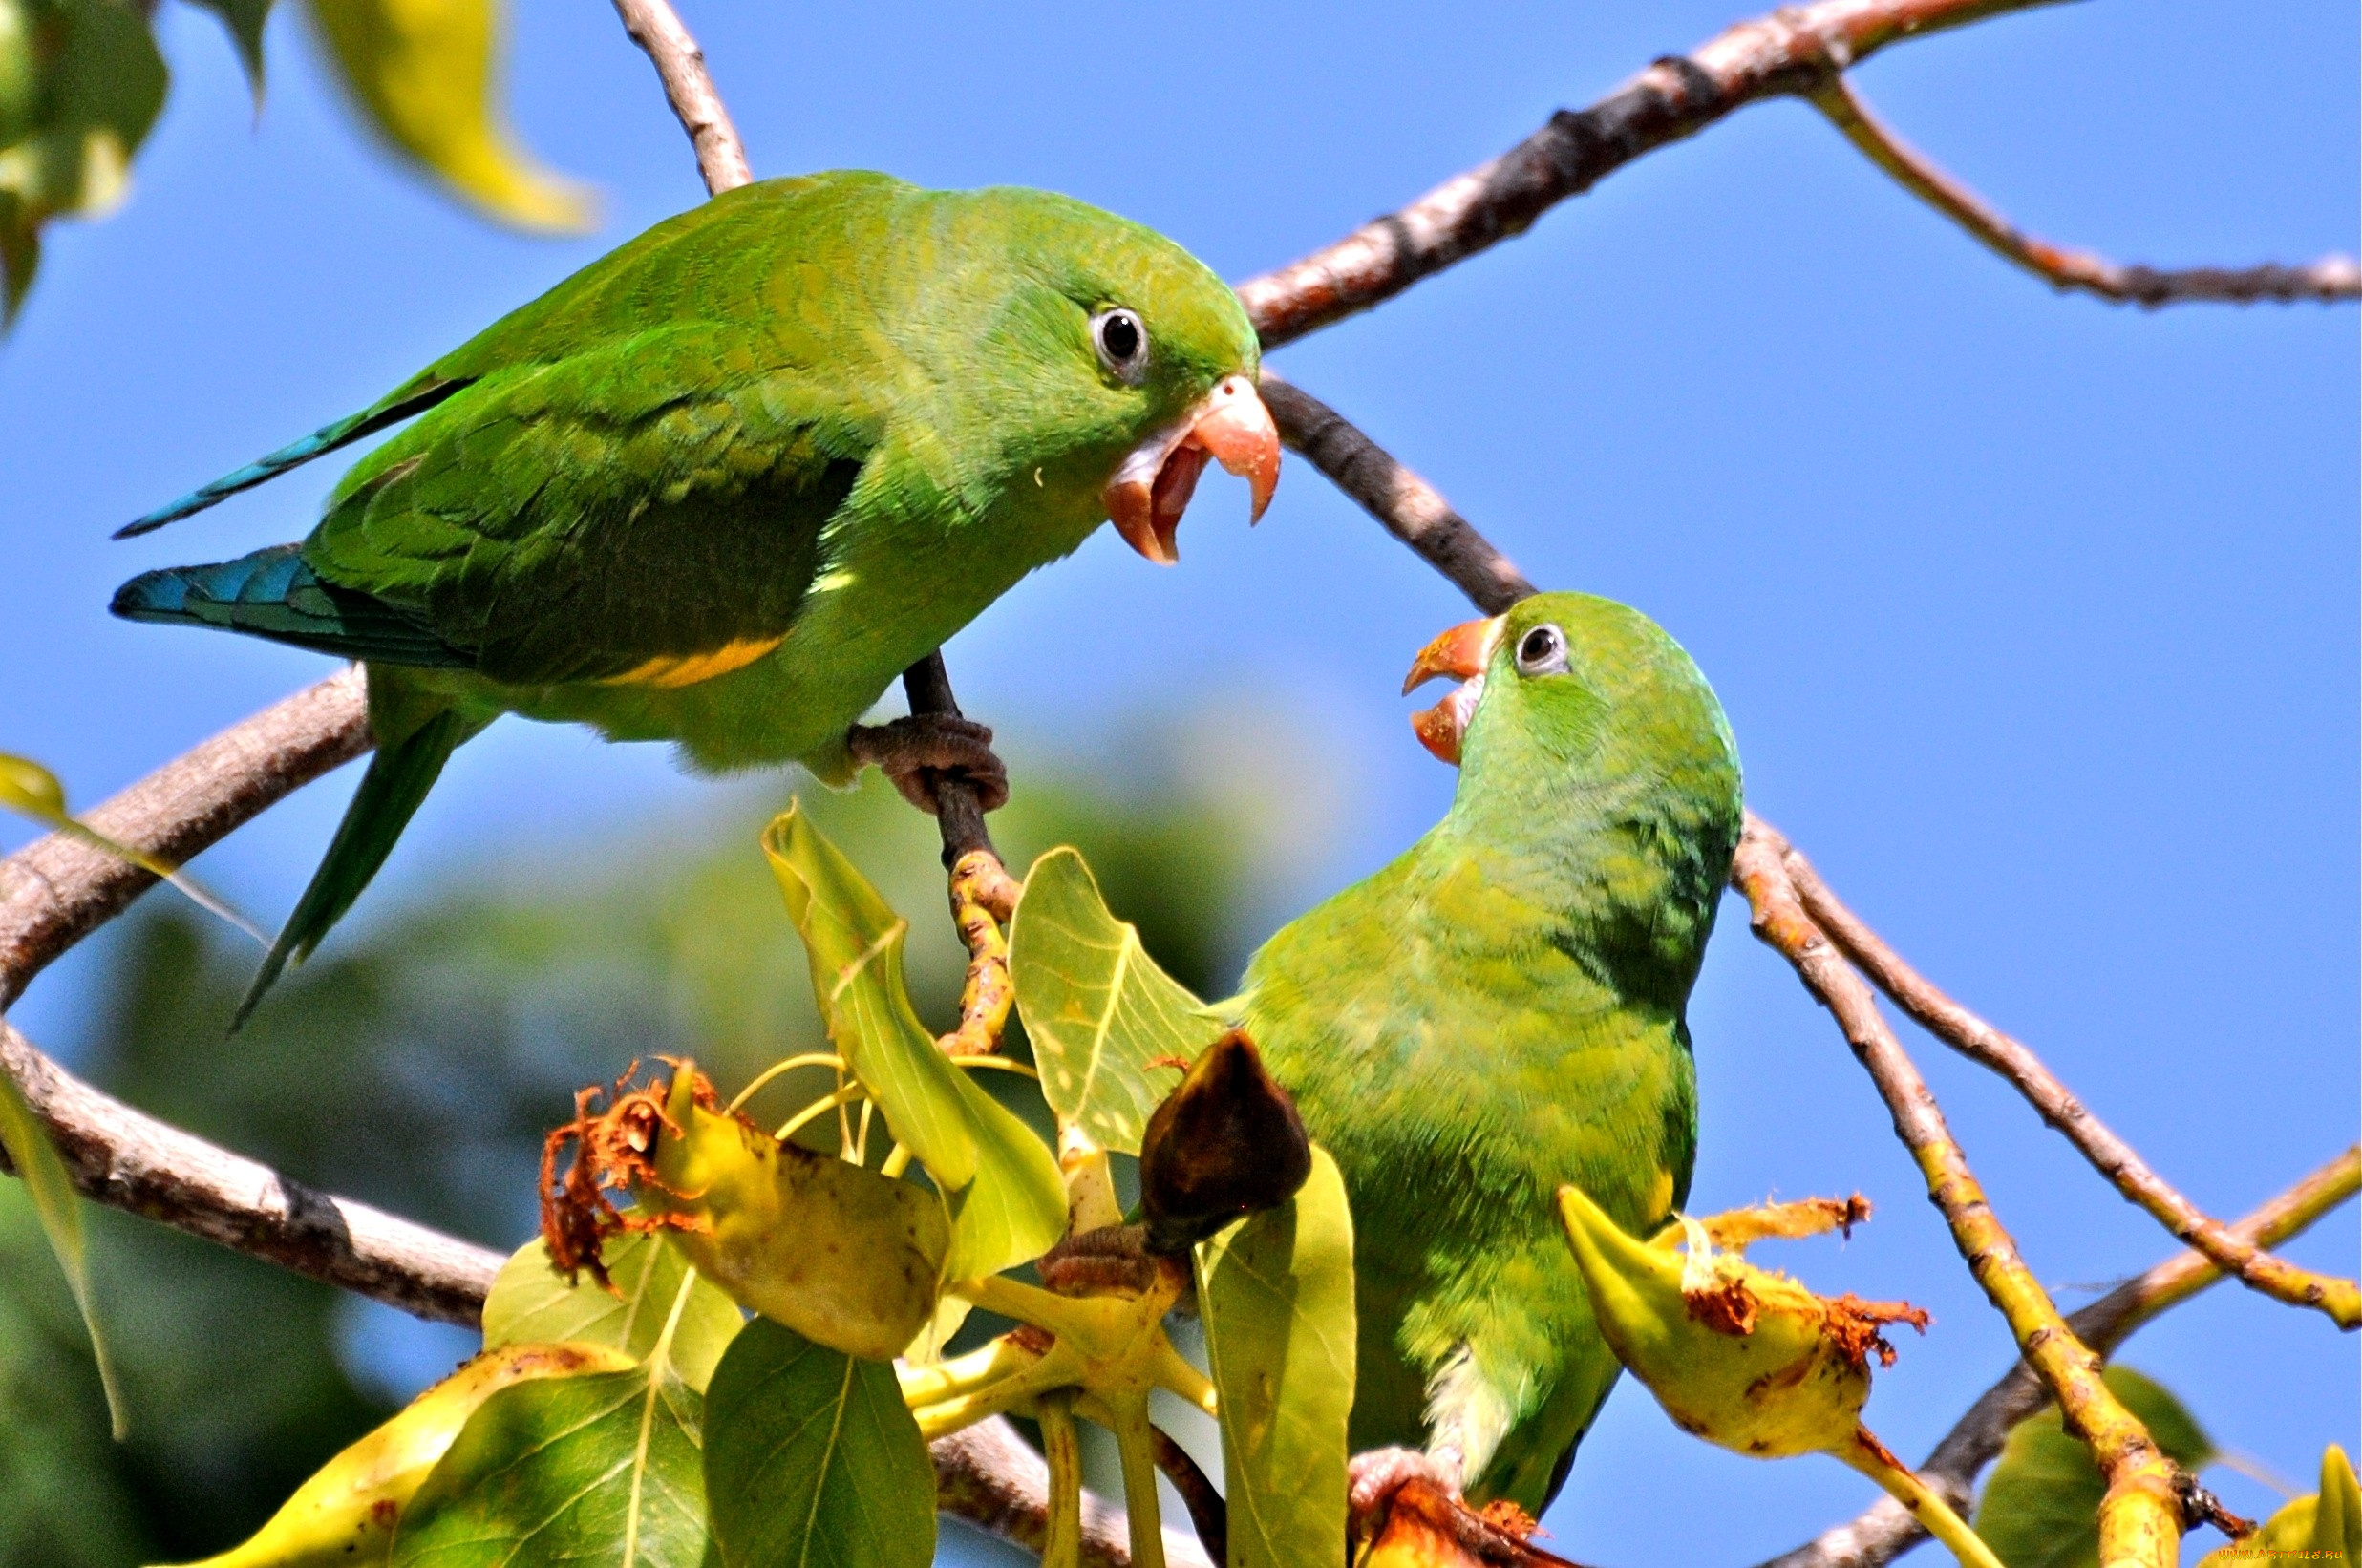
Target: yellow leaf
[422,73]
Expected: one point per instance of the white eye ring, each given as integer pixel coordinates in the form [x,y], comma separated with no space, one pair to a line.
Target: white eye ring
[1543,651]
[1120,339]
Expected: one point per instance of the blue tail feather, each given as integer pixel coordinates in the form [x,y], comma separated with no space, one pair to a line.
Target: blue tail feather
[326,439]
[275,593]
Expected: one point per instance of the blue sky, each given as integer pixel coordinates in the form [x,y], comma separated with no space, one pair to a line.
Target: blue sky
[2036,617]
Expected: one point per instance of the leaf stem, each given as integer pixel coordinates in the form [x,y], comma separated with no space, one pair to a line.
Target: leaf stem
[1872,1458]
[810,1058]
[1062,1447]
[1140,1507]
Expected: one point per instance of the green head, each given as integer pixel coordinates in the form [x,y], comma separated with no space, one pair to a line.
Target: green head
[1594,760]
[1098,346]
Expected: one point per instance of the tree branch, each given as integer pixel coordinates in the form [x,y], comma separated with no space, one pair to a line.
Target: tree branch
[1406,505]
[1794,51]
[129,1160]
[1885,1532]
[2330,278]
[2341,1300]
[2141,1520]
[59,889]
[688,87]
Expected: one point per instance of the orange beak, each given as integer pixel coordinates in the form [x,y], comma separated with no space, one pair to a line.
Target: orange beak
[1153,485]
[1461,653]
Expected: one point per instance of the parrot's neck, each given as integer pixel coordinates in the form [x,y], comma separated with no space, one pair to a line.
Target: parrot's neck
[1624,875]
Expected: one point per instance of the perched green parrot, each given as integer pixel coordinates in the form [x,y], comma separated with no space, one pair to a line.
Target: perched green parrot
[1501,1011]
[723,484]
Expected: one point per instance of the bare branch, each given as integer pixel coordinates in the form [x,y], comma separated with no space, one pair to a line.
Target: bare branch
[1406,505]
[2330,278]
[59,889]
[2140,1521]
[680,65]
[1885,1532]
[130,1160]
[1790,52]
[2116,1160]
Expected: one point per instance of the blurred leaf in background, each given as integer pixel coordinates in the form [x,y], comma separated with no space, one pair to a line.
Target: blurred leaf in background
[81,83]
[424,75]
[418,1066]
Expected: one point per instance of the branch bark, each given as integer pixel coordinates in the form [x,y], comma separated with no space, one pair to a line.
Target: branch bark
[2141,1520]
[688,87]
[1885,1532]
[1794,51]
[59,889]
[2330,278]
[1404,504]
[2341,1300]
[129,1160]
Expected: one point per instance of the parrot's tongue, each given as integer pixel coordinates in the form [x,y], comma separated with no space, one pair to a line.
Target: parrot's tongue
[1464,651]
[1153,485]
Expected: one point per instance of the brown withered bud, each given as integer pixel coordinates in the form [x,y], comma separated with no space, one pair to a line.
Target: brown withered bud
[1225,1144]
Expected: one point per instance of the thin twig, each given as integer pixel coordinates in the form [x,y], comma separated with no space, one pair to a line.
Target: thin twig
[1406,505]
[2329,279]
[2116,1160]
[59,889]
[1790,52]
[1885,1532]
[688,87]
[1794,51]
[2140,1521]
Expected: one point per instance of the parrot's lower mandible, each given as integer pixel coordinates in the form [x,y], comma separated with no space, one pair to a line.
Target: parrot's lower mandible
[722,485]
[1501,1011]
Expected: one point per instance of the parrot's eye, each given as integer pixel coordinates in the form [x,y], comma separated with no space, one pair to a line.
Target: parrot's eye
[1543,651]
[1122,341]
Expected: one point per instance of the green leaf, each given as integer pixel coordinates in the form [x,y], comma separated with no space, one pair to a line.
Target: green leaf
[1007,1200]
[1278,1299]
[530,1304]
[2323,1526]
[245,19]
[58,1207]
[80,85]
[2041,1506]
[564,1473]
[421,72]
[1095,1005]
[813,1461]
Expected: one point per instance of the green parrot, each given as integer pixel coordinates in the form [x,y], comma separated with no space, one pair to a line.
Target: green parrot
[1501,1011]
[723,484]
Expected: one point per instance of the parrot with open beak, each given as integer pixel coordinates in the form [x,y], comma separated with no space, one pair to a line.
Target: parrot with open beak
[722,485]
[1500,1012]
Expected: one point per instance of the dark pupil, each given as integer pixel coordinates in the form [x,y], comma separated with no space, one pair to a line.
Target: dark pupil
[1121,336]
[1538,647]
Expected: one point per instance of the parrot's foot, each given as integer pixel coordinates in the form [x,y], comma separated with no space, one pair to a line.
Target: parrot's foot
[1421,1523]
[1373,1479]
[914,752]
[1114,1260]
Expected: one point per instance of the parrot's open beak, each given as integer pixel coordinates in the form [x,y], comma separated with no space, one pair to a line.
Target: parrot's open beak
[1462,653]
[1152,487]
